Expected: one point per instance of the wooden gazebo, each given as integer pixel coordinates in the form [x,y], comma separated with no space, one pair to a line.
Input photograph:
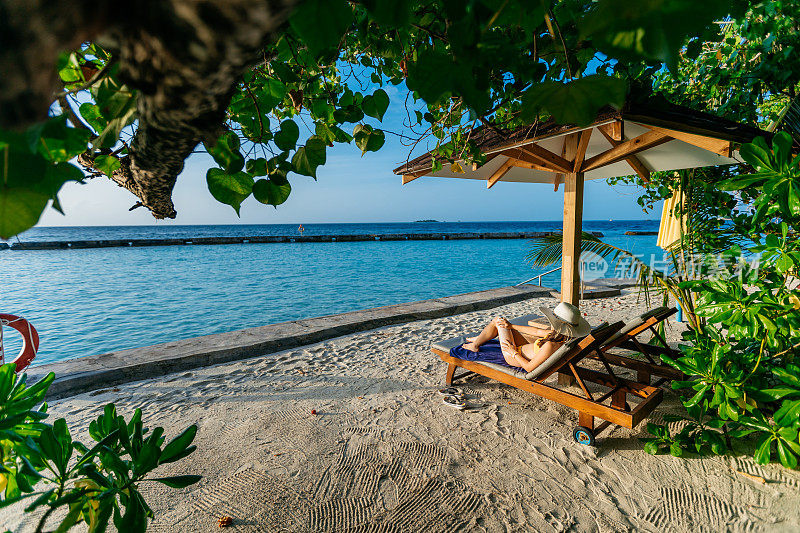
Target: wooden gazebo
[636,139]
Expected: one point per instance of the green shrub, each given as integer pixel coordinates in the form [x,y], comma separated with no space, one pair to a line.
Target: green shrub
[743,378]
[43,465]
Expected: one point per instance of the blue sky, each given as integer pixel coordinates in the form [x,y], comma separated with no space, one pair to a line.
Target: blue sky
[350,188]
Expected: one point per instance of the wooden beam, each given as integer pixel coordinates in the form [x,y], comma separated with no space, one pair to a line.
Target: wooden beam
[531,166]
[580,154]
[717,146]
[500,172]
[407,178]
[615,129]
[546,157]
[632,160]
[523,154]
[625,149]
[572,228]
[560,177]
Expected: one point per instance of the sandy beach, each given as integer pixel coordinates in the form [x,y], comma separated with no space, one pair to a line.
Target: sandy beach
[382,453]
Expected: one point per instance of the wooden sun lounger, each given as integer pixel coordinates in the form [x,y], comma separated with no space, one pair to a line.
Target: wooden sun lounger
[611,406]
[627,338]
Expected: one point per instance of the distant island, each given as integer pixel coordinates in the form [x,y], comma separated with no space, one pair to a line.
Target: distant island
[428,220]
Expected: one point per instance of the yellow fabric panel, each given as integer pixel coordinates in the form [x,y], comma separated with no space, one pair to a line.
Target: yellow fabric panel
[671,226]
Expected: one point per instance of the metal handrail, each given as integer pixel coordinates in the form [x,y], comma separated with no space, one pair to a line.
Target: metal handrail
[539,277]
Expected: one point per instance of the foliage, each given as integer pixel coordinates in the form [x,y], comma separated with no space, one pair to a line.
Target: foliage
[741,362]
[43,465]
[747,70]
[328,77]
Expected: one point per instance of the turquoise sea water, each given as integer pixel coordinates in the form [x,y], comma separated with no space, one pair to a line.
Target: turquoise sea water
[91,301]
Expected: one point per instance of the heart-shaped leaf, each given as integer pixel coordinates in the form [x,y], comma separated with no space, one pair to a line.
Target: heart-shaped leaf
[226,152]
[286,137]
[367,138]
[321,24]
[376,105]
[576,102]
[107,164]
[309,157]
[230,189]
[20,210]
[271,192]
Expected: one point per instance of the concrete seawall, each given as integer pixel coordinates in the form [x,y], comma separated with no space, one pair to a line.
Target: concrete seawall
[267,239]
[84,374]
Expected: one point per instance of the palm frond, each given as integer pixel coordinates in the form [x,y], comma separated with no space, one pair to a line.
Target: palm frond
[548,249]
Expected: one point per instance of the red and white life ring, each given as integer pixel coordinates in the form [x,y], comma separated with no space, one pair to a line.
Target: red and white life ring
[30,339]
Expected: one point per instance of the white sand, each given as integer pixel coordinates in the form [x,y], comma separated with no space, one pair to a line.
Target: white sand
[384,454]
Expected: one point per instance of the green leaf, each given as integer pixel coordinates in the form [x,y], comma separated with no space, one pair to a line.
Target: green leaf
[391,13]
[100,524]
[376,104]
[56,141]
[107,164]
[321,24]
[788,414]
[257,167]
[178,444]
[147,459]
[649,30]
[91,114]
[178,482]
[226,152]
[695,400]
[270,193]
[426,75]
[651,447]
[329,134]
[786,456]
[20,210]
[367,138]
[675,449]
[309,157]
[763,452]
[271,92]
[576,102]
[757,155]
[230,189]
[134,520]
[70,520]
[286,138]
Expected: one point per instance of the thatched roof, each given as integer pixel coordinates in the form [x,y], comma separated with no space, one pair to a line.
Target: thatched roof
[682,119]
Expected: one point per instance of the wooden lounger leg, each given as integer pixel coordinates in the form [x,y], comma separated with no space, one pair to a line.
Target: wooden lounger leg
[565,379]
[618,399]
[586,420]
[643,376]
[451,369]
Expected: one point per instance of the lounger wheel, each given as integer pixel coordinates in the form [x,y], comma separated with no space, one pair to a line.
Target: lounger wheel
[583,435]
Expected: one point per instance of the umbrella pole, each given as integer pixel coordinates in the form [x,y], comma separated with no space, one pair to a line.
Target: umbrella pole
[572,229]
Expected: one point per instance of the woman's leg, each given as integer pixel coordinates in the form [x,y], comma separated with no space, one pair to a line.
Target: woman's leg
[488,333]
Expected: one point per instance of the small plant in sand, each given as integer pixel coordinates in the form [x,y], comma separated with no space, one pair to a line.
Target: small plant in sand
[65,480]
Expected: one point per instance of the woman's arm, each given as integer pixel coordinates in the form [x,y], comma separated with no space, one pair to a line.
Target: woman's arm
[532,331]
[547,349]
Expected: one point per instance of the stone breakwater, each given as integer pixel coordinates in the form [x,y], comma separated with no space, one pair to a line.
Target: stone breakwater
[271,239]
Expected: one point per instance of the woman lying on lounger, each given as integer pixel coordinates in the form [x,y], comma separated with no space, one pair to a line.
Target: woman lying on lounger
[524,346]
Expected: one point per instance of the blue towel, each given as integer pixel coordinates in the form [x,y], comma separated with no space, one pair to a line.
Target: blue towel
[490,352]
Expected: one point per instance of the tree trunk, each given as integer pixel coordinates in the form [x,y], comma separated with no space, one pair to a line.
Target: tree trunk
[184,57]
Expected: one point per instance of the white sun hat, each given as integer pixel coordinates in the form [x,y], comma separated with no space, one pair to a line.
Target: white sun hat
[567,320]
